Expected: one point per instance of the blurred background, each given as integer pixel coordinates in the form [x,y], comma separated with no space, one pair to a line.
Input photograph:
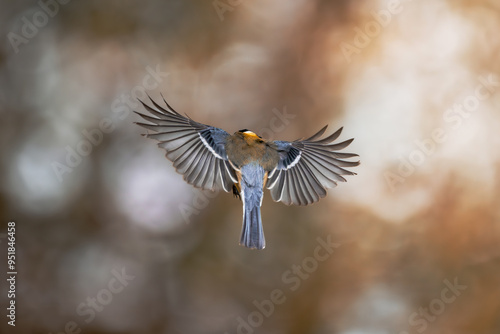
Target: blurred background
[109,237]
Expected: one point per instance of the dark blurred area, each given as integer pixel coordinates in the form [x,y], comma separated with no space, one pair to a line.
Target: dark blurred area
[110,239]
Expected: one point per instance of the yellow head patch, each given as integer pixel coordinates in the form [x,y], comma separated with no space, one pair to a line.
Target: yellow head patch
[250,134]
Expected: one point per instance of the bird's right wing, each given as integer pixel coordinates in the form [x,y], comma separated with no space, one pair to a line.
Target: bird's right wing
[196,150]
[306,167]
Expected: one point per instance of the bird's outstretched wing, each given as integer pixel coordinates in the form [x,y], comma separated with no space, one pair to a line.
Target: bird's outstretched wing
[306,167]
[196,150]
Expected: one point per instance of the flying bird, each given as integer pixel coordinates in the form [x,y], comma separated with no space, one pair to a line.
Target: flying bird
[296,172]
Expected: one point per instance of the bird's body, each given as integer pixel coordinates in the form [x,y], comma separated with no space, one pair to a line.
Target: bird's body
[295,172]
[245,146]
[253,158]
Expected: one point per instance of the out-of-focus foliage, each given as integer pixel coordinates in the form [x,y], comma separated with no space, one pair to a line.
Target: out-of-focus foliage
[416,232]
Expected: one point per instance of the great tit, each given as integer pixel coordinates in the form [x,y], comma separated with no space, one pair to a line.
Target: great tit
[296,172]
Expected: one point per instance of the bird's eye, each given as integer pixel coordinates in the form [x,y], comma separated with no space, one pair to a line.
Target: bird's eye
[260,141]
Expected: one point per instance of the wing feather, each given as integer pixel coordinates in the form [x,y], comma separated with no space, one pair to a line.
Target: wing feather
[307,167]
[285,194]
[196,150]
[298,191]
[305,186]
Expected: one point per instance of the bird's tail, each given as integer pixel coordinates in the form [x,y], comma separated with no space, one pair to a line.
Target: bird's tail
[252,233]
[252,184]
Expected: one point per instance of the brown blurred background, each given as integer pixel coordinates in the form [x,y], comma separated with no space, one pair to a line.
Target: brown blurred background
[111,240]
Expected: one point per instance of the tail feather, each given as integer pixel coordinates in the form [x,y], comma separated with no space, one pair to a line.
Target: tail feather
[252,184]
[252,233]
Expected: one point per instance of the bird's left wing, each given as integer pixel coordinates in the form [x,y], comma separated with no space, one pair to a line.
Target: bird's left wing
[196,150]
[306,167]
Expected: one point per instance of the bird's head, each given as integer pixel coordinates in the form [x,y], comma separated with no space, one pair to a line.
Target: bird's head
[250,137]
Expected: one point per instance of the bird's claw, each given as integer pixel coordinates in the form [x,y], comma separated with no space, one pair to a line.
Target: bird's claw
[236,193]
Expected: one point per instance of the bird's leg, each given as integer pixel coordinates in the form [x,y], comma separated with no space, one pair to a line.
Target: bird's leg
[236,191]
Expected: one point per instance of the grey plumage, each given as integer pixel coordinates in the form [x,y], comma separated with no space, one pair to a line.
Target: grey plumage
[307,167]
[252,185]
[196,150]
